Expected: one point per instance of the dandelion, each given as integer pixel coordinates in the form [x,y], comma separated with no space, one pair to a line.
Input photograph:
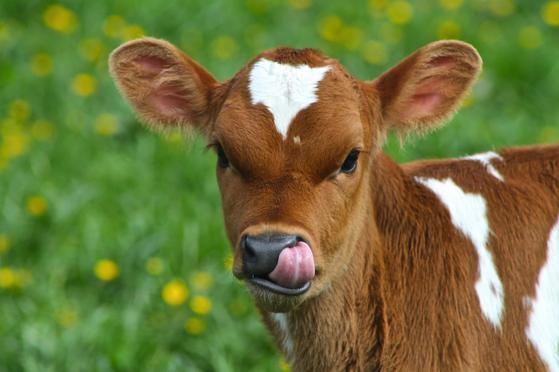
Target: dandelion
[84,85]
[91,49]
[283,365]
[330,28]
[202,280]
[300,4]
[132,32]
[106,124]
[194,326]
[7,278]
[530,37]
[501,8]
[4,243]
[228,263]
[390,33]
[350,37]
[14,144]
[4,31]
[19,110]
[376,6]
[36,206]
[448,30]
[174,293]
[41,64]
[60,19]
[106,270]
[374,52]
[550,13]
[114,26]
[154,266]
[42,130]
[399,12]
[201,305]
[451,4]
[224,47]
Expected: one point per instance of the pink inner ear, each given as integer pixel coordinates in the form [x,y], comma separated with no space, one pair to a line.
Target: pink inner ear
[150,65]
[168,101]
[427,99]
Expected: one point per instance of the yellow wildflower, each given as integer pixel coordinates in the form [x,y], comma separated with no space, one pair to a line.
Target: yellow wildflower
[451,4]
[330,28]
[550,13]
[548,134]
[300,4]
[114,26]
[224,47]
[228,263]
[106,124]
[14,144]
[399,12]
[36,205]
[132,32]
[194,326]
[350,37]
[448,30]
[106,270]
[201,305]
[283,365]
[4,243]
[390,33]
[42,130]
[41,64]
[84,85]
[377,5]
[501,8]
[174,293]
[92,49]
[60,19]
[530,37]
[374,52]
[7,277]
[154,265]
[4,31]
[19,110]
[202,280]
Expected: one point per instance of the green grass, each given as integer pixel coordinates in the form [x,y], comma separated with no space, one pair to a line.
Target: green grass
[115,191]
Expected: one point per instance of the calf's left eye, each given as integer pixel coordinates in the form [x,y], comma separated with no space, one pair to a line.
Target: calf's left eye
[350,163]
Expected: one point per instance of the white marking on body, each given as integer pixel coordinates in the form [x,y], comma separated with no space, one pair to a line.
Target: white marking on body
[468,213]
[284,89]
[281,322]
[485,159]
[543,323]
[297,140]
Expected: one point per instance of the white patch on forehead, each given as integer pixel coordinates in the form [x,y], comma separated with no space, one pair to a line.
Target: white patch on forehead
[284,89]
[543,323]
[281,322]
[468,213]
[485,159]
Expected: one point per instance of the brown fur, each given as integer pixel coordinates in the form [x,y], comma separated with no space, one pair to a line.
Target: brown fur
[394,285]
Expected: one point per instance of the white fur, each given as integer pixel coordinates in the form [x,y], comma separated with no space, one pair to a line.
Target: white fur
[468,213]
[284,89]
[485,159]
[543,325]
[281,322]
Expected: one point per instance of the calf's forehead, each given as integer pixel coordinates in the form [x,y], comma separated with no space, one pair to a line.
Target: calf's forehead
[276,101]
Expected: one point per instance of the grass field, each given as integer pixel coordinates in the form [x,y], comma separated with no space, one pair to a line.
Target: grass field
[112,250]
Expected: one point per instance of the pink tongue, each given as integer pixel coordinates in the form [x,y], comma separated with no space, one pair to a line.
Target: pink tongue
[295,266]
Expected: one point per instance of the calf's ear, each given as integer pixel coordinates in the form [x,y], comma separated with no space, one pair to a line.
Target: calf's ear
[424,90]
[166,88]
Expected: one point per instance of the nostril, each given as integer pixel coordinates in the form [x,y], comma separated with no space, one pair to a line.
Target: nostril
[261,252]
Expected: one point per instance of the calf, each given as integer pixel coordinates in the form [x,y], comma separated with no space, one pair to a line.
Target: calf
[355,262]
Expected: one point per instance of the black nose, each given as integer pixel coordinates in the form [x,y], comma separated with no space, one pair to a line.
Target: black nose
[261,252]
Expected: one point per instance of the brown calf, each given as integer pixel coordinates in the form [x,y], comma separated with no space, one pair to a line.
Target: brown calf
[355,262]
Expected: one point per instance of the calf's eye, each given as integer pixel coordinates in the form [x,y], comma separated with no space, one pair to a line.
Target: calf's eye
[350,163]
[222,160]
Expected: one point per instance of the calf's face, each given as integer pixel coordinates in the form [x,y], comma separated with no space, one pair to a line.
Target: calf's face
[296,138]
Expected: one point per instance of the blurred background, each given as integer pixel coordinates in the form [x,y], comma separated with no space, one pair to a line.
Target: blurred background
[112,250]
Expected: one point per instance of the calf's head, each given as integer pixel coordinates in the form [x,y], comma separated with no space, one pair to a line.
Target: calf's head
[296,139]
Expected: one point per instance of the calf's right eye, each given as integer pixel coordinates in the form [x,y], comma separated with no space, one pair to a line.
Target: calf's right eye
[222,160]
